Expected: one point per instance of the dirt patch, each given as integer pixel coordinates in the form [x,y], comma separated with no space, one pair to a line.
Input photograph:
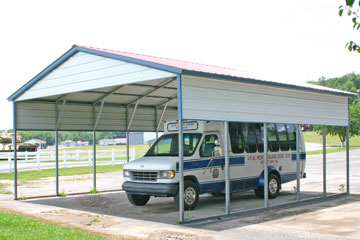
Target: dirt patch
[80,218]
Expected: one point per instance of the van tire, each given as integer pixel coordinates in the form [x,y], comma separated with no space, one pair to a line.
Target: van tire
[191,195]
[273,187]
[137,200]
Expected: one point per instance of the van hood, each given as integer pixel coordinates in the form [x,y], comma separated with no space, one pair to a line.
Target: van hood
[152,163]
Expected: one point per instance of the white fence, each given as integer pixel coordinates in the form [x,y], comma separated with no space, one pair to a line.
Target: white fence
[41,160]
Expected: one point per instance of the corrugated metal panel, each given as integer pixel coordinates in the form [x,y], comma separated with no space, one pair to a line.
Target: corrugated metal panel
[86,71]
[211,99]
[35,116]
[41,116]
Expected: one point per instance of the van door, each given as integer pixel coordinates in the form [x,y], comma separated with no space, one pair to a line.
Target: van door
[213,172]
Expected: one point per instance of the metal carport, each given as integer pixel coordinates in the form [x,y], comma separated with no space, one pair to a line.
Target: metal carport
[91,89]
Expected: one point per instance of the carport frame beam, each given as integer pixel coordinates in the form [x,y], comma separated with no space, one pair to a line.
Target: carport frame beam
[297,162]
[15,151]
[181,153]
[324,161]
[56,150]
[128,128]
[227,167]
[347,161]
[266,172]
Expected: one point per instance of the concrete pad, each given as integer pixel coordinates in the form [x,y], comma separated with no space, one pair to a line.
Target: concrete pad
[111,213]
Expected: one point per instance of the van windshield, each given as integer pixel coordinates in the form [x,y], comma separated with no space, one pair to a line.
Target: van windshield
[167,145]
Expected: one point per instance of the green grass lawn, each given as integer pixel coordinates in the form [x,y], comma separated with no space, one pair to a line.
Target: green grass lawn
[34,174]
[331,141]
[17,227]
[330,150]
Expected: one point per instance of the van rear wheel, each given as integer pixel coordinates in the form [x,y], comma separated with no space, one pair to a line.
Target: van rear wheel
[191,195]
[137,200]
[273,187]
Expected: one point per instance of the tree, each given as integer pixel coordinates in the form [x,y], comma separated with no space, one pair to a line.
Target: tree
[354,129]
[352,11]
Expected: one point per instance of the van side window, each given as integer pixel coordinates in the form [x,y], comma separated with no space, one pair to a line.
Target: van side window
[283,137]
[248,131]
[259,132]
[236,139]
[272,138]
[208,145]
[291,128]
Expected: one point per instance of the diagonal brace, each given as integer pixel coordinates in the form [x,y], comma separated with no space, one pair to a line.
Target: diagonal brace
[99,113]
[108,94]
[167,100]
[163,84]
[161,117]
[61,113]
[132,115]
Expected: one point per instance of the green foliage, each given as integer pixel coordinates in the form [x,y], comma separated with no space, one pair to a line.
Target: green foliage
[352,11]
[354,129]
[349,82]
[62,193]
[16,227]
[342,188]
[93,191]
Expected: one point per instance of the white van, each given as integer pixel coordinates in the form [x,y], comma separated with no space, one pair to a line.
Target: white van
[157,173]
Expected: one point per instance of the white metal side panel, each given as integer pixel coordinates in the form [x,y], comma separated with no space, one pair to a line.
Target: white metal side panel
[219,100]
[35,116]
[85,71]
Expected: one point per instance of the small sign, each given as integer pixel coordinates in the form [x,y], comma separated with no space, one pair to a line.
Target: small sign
[171,127]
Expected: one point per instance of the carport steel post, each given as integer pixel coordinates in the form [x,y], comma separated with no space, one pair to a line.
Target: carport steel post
[181,153]
[15,151]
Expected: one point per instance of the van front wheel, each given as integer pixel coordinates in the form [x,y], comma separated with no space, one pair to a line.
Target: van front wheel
[191,195]
[137,200]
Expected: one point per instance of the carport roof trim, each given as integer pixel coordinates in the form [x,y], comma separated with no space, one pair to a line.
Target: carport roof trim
[170,65]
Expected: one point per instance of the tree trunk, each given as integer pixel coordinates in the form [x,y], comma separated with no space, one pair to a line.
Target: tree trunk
[342,144]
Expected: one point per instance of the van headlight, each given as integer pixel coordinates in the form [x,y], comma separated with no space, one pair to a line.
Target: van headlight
[126,173]
[167,174]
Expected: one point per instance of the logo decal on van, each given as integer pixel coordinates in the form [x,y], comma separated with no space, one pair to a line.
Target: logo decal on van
[215,173]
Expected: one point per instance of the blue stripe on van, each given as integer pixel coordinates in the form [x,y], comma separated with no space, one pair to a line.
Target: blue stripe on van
[240,184]
[218,162]
[302,156]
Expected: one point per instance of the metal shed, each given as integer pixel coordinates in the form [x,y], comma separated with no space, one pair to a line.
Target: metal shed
[92,89]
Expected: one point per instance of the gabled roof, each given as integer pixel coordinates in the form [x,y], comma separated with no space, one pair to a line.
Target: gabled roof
[173,66]
[178,64]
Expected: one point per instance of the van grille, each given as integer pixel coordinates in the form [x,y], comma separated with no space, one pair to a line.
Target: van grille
[145,176]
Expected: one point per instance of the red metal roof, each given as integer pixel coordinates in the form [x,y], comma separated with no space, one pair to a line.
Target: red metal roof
[185,65]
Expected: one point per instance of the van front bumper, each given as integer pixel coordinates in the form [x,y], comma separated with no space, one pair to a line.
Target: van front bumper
[152,189]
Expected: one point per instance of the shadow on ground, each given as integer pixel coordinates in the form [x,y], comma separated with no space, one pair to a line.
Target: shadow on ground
[163,210]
